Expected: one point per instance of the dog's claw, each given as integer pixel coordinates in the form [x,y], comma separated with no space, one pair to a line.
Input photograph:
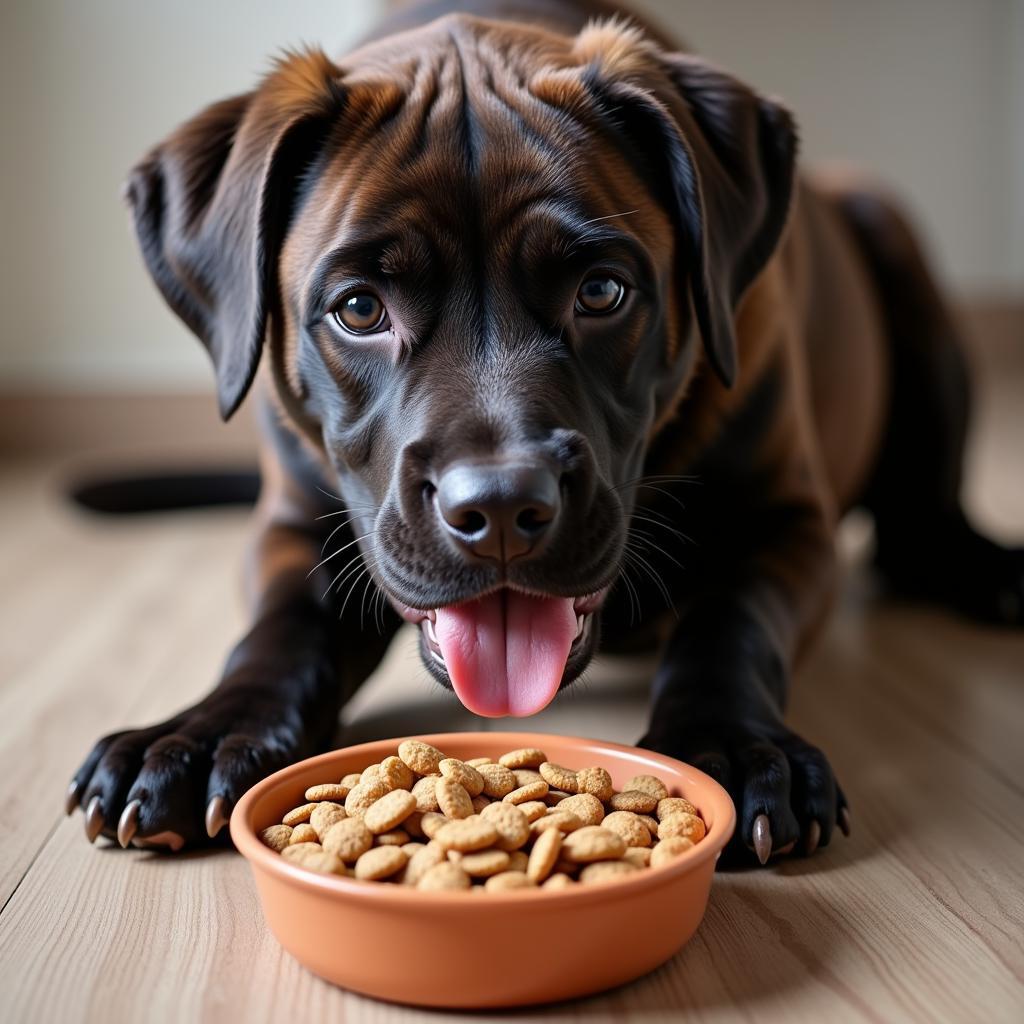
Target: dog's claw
[71,800]
[94,819]
[128,824]
[761,835]
[844,821]
[216,816]
[813,837]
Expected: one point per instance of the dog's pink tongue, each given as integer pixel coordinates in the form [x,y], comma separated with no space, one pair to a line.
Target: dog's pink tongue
[506,652]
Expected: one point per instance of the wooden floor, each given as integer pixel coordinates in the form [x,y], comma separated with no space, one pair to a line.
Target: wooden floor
[918,917]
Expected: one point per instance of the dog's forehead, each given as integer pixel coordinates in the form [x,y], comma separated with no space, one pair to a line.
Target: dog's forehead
[465,129]
[468,155]
[477,43]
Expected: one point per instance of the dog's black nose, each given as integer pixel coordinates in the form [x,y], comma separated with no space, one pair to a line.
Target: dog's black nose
[499,510]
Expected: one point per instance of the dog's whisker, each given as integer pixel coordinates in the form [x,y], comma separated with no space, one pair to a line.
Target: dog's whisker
[351,590]
[580,239]
[328,494]
[379,607]
[657,513]
[668,494]
[609,216]
[355,509]
[350,566]
[334,554]
[366,591]
[662,478]
[351,575]
[665,526]
[352,517]
[331,535]
[631,594]
[657,547]
[658,581]
[344,570]
[631,590]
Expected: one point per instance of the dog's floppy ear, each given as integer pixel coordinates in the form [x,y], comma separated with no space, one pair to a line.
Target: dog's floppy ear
[725,157]
[211,206]
[745,155]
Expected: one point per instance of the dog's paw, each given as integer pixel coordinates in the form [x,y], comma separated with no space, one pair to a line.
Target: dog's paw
[786,795]
[174,784]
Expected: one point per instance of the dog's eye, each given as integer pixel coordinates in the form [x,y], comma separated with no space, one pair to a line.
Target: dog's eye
[600,294]
[360,313]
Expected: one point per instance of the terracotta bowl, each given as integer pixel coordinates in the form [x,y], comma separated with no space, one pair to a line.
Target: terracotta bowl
[458,949]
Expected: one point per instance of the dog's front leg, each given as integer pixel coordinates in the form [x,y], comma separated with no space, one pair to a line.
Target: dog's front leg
[277,701]
[766,581]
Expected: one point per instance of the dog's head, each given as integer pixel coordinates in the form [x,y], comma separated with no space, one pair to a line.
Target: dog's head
[486,262]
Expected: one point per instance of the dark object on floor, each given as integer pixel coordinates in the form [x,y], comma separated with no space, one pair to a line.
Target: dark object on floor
[166,492]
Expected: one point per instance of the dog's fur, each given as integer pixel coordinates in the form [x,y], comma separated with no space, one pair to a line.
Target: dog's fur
[783,355]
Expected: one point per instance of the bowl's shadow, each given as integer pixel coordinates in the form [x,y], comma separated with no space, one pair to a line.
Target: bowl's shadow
[726,963]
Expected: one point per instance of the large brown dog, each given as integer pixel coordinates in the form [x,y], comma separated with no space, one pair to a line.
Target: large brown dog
[544,304]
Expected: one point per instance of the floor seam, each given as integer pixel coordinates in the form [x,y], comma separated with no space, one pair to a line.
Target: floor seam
[31,864]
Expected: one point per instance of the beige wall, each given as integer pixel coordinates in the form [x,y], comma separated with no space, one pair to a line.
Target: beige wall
[927,93]
[930,93]
[86,86]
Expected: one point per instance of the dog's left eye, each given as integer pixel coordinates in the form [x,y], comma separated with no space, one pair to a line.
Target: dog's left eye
[360,313]
[599,294]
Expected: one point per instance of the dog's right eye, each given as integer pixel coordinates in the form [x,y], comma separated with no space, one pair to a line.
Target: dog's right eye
[599,294]
[360,313]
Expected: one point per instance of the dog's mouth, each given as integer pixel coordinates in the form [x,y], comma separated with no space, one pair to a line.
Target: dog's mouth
[507,651]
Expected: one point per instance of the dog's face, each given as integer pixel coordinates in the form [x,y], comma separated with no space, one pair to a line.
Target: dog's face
[482,251]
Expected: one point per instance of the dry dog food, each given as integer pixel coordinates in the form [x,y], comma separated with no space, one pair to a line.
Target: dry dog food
[428,821]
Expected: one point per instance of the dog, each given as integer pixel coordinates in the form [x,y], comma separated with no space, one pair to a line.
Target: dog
[545,331]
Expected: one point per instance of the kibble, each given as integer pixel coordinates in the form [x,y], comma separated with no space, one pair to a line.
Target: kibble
[531,791]
[428,821]
[453,799]
[525,757]
[396,773]
[425,792]
[380,862]
[560,778]
[304,833]
[364,796]
[298,815]
[636,800]
[389,811]
[335,791]
[648,784]
[464,774]
[277,837]
[595,781]
[543,856]
[444,876]
[689,826]
[498,780]
[629,826]
[325,815]
[348,839]
[421,757]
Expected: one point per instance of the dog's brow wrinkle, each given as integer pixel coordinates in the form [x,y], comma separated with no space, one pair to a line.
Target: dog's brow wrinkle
[423,97]
[467,126]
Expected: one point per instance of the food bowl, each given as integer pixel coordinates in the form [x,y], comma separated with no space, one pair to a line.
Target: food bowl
[475,950]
